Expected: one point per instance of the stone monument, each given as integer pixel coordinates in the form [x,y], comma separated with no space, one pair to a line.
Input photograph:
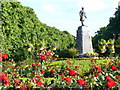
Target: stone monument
[83,39]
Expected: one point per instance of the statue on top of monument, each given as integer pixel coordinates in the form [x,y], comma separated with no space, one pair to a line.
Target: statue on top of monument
[82,16]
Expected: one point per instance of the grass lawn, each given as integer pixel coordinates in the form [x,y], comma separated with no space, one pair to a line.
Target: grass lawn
[79,62]
[83,64]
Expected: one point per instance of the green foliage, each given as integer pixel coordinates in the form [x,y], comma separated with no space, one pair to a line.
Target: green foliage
[110,43]
[72,52]
[106,47]
[112,30]
[21,26]
[69,53]
[117,46]
[102,45]
[117,42]
[91,54]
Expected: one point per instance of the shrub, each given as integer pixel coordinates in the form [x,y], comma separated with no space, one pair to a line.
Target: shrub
[91,54]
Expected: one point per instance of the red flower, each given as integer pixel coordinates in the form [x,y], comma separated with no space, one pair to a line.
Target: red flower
[17,80]
[29,87]
[96,75]
[54,58]
[43,72]
[33,64]
[55,65]
[37,64]
[5,56]
[97,68]
[69,69]
[23,86]
[117,76]
[47,53]
[43,56]
[4,78]
[69,62]
[77,67]
[37,78]
[52,71]
[63,78]
[110,84]
[68,79]
[72,73]
[0,58]
[46,84]
[39,83]
[110,63]
[113,68]
[92,61]
[108,78]
[6,83]
[81,82]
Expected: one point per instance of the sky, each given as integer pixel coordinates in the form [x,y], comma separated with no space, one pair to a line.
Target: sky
[64,14]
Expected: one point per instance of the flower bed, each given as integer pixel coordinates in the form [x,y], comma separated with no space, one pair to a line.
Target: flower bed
[35,74]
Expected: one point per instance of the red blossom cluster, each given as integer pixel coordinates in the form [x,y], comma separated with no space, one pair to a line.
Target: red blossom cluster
[77,67]
[113,68]
[48,53]
[81,82]
[92,61]
[97,69]
[69,62]
[3,56]
[21,86]
[110,82]
[36,64]
[37,80]
[17,80]
[43,56]
[68,79]
[71,72]
[52,71]
[4,78]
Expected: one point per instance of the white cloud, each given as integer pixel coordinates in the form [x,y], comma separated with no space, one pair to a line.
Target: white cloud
[93,5]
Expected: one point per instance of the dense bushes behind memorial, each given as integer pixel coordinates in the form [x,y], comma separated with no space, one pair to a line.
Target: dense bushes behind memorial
[21,26]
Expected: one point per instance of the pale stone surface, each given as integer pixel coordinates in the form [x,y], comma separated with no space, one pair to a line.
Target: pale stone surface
[83,40]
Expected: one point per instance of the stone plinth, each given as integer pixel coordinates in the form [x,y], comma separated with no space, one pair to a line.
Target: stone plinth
[83,40]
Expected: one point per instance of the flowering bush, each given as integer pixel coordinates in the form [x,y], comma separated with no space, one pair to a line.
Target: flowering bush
[35,74]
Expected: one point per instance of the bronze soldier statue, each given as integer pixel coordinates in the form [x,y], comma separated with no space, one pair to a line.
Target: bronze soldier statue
[82,16]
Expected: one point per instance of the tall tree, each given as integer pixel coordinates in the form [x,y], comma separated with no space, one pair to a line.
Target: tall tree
[111,31]
[20,26]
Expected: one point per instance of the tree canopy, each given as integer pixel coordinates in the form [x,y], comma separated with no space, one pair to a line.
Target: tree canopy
[20,26]
[111,31]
